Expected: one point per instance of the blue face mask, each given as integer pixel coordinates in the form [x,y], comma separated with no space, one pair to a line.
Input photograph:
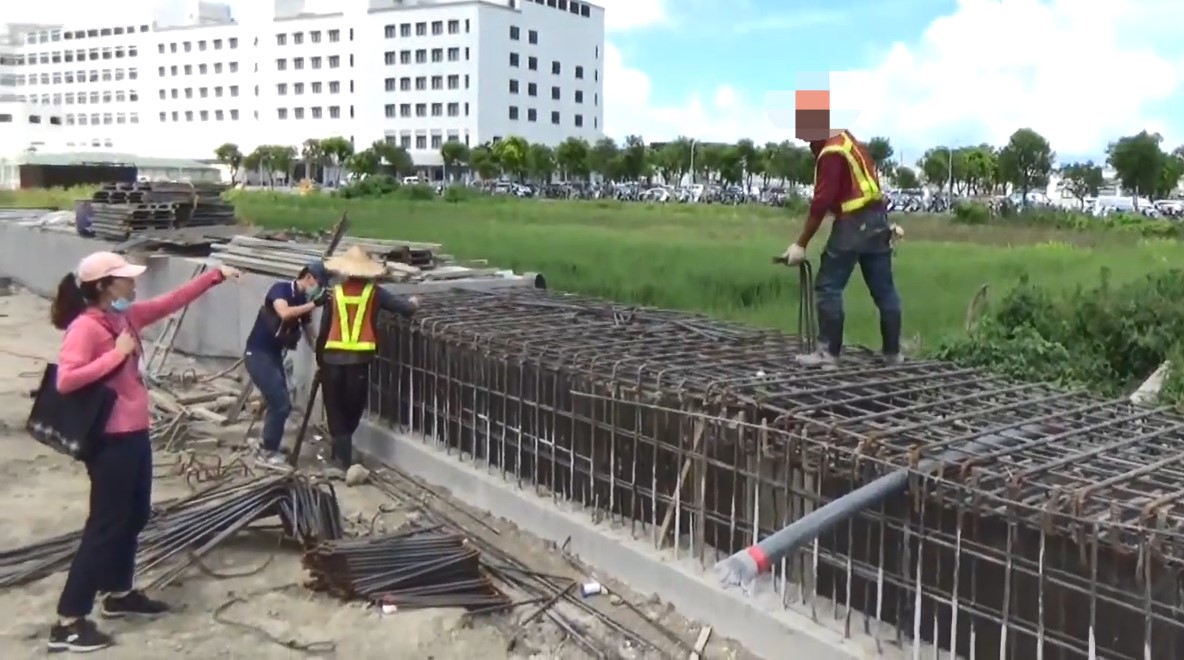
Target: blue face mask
[120,305]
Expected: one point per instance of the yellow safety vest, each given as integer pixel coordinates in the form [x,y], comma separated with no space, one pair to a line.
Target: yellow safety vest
[869,188]
[351,334]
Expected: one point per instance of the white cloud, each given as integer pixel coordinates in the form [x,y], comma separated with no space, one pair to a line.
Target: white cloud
[1081,72]
[621,15]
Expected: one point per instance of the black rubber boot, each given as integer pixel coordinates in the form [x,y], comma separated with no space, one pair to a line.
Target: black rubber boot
[830,331]
[343,452]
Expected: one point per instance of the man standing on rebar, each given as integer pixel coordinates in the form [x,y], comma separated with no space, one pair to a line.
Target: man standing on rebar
[348,341]
[284,317]
[846,184]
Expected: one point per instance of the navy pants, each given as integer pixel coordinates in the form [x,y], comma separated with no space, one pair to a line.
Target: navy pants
[120,503]
[345,389]
[864,239]
[267,373]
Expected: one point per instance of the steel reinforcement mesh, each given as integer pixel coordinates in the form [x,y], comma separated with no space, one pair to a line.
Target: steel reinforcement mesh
[1060,539]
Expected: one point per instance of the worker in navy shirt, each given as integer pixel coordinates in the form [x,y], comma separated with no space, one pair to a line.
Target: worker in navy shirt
[283,318]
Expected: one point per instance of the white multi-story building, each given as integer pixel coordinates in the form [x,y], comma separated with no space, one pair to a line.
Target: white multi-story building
[416,73]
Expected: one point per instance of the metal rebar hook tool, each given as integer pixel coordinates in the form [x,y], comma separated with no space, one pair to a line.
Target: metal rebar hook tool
[807,312]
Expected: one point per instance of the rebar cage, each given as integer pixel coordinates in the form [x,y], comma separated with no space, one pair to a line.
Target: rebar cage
[1061,542]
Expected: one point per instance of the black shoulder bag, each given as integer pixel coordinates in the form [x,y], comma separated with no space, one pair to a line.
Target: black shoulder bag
[72,424]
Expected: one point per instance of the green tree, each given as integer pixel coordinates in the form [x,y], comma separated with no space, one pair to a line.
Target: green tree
[282,158]
[936,167]
[253,162]
[313,155]
[906,178]
[1173,170]
[731,165]
[364,163]
[1026,162]
[572,158]
[229,155]
[336,151]
[1082,180]
[881,152]
[455,155]
[484,162]
[635,160]
[540,162]
[512,153]
[604,159]
[750,160]
[1139,162]
[394,157]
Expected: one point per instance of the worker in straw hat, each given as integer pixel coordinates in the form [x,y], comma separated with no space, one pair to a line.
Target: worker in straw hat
[348,341]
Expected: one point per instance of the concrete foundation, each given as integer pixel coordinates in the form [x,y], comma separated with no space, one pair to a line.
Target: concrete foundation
[217,325]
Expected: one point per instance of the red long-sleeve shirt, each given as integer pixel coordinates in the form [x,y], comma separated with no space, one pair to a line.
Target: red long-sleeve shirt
[832,184]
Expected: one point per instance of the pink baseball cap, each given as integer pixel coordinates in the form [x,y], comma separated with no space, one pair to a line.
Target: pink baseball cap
[98,265]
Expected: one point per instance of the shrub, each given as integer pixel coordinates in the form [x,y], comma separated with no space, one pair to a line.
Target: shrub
[457,193]
[377,185]
[1107,338]
[416,193]
[971,213]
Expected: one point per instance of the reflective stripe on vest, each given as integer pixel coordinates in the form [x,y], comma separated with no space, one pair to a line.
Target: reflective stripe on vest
[869,188]
[351,336]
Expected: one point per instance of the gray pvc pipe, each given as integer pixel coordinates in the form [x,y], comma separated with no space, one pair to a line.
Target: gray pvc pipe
[742,568]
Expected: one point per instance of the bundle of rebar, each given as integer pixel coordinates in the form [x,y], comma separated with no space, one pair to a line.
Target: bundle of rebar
[120,210]
[414,569]
[181,532]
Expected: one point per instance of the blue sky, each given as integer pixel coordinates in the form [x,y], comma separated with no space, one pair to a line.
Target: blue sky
[921,72]
[1082,72]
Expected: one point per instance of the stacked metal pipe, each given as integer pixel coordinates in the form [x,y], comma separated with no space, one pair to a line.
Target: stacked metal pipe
[285,258]
[183,531]
[415,569]
[119,210]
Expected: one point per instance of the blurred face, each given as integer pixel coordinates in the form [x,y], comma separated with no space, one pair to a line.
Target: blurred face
[120,288]
[308,283]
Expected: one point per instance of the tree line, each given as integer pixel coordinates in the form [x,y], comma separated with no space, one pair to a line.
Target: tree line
[1026,163]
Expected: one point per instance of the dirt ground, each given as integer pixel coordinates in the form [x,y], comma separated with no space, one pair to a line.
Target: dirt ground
[43,494]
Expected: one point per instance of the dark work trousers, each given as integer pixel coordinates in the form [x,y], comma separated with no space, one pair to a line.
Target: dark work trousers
[345,389]
[120,503]
[267,373]
[864,239]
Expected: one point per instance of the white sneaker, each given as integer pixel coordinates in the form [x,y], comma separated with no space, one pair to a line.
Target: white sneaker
[270,457]
[820,358]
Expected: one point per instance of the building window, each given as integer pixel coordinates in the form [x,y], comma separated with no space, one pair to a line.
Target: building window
[513,87]
[579,73]
[315,62]
[334,112]
[533,37]
[421,109]
[234,115]
[421,142]
[389,32]
[334,61]
[454,81]
[334,87]
[391,84]
[315,36]
[579,96]
[281,65]
[388,57]
[421,83]
[556,94]
[280,40]
[299,113]
[298,88]
[453,54]
[579,121]
[437,28]
[281,89]
[391,110]
[421,56]
[556,69]
[453,109]
[437,82]
[404,109]
[437,55]
[532,89]
[405,141]
[334,36]
[515,34]
[532,114]
[437,109]
[533,63]
[316,88]
[298,63]
[281,113]
[555,117]
[421,29]
[453,27]
[514,59]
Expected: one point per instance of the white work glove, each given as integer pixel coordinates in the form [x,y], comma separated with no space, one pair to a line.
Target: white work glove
[794,255]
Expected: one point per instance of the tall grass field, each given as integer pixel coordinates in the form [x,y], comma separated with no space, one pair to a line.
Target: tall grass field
[714,259]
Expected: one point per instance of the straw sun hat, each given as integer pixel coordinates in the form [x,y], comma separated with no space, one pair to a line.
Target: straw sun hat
[355,263]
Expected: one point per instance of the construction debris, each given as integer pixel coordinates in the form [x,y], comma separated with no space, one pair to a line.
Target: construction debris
[356,475]
[119,210]
[283,258]
[181,532]
[415,569]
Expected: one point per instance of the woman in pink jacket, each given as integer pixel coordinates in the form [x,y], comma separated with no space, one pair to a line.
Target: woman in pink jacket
[102,320]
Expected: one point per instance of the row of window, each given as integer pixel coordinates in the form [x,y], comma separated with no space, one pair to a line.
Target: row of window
[316,62]
[202,92]
[70,77]
[421,83]
[231,43]
[47,36]
[58,57]
[422,141]
[102,119]
[532,36]
[407,110]
[33,119]
[532,63]
[202,69]
[532,115]
[577,8]
[315,112]
[421,56]
[94,98]
[281,89]
[314,36]
[532,89]
[199,115]
[421,29]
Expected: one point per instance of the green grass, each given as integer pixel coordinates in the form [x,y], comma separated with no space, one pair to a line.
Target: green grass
[715,259]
